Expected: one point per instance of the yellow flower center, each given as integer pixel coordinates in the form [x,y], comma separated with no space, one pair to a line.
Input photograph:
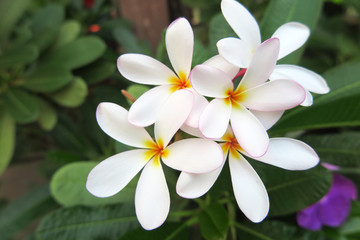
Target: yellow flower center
[156,150]
[180,82]
[231,144]
[235,97]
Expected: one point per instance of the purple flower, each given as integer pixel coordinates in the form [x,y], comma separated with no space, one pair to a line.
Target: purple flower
[333,209]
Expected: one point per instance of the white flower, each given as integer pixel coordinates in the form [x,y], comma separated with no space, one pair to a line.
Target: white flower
[193,155]
[292,36]
[143,69]
[253,93]
[250,193]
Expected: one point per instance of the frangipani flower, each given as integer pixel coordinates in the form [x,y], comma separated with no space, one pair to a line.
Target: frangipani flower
[249,191]
[193,155]
[252,93]
[333,209]
[143,69]
[292,35]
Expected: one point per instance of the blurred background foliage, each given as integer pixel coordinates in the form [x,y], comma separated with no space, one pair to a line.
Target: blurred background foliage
[58,61]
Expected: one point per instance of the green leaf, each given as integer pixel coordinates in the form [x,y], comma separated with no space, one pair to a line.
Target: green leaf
[69,31]
[72,95]
[68,187]
[214,222]
[23,211]
[108,222]
[7,139]
[282,11]
[351,227]
[341,149]
[290,191]
[21,105]
[10,12]
[97,71]
[20,55]
[46,25]
[48,78]
[340,107]
[201,54]
[48,116]
[127,40]
[77,53]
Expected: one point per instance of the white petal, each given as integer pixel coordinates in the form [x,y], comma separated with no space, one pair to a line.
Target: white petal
[190,185]
[172,115]
[214,120]
[152,199]
[268,119]
[210,81]
[191,131]
[241,21]
[236,51]
[250,193]
[249,132]
[198,107]
[262,64]
[292,36]
[306,78]
[290,154]
[143,69]
[114,173]
[194,155]
[113,120]
[275,95]
[308,99]
[179,40]
[220,63]
[144,111]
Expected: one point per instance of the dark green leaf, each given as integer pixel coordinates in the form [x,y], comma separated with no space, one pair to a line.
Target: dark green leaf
[21,212]
[127,40]
[7,139]
[21,105]
[72,95]
[201,54]
[19,56]
[214,222]
[68,187]
[48,78]
[290,191]
[10,12]
[97,71]
[108,222]
[77,53]
[69,31]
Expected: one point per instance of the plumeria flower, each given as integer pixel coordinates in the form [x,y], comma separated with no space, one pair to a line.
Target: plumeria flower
[143,69]
[292,35]
[333,209]
[249,191]
[193,155]
[253,92]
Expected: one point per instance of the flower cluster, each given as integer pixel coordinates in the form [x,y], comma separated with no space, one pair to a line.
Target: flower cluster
[232,125]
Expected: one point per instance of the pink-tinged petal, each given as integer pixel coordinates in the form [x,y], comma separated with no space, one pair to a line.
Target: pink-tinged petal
[262,64]
[219,62]
[292,36]
[308,99]
[275,95]
[143,69]
[194,155]
[250,192]
[268,119]
[152,199]
[249,132]
[241,21]
[190,185]
[210,81]
[290,154]
[114,173]
[144,111]
[214,120]
[198,107]
[113,120]
[236,51]
[305,77]
[179,40]
[192,131]
[172,115]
